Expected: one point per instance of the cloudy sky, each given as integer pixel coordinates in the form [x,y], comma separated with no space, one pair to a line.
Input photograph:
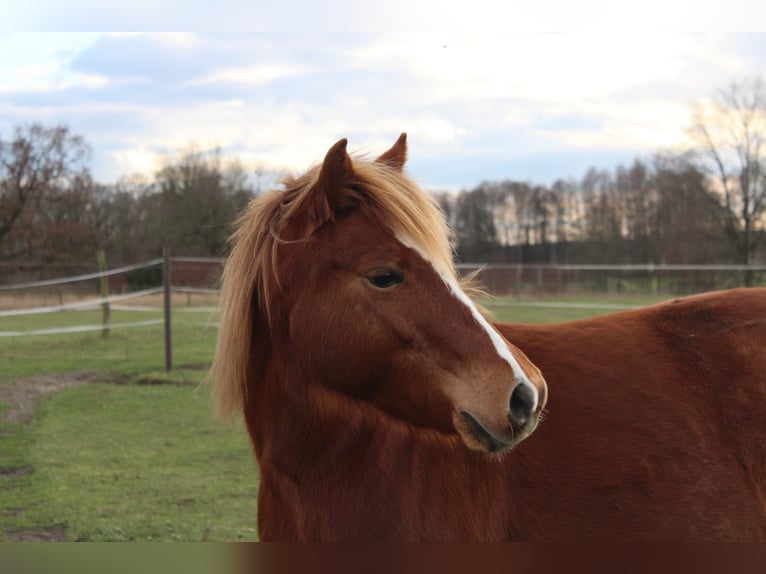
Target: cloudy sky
[490,105]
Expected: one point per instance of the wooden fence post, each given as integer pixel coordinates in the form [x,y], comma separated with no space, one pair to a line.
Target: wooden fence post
[166,291]
[104,280]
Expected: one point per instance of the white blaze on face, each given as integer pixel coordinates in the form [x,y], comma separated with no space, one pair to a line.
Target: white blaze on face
[499,343]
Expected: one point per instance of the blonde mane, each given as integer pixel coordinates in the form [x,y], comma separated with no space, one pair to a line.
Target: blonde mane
[384,192]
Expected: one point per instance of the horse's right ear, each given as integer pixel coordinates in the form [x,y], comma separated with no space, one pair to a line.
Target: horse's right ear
[336,169]
[326,197]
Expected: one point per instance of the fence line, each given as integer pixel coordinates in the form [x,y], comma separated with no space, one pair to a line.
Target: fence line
[541,271]
[199,290]
[219,260]
[658,267]
[166,289]
[509,278]
[598,267]
[81,328]
[77,278]
[95,302]
[462,266]
[561,305]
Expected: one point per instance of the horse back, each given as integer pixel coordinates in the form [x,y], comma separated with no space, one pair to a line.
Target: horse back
[655,423]
[722,337]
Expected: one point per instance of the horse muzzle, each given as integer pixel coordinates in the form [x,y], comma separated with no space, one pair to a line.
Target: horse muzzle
[522,415]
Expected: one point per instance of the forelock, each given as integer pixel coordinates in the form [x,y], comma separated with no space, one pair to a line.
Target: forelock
[411,214]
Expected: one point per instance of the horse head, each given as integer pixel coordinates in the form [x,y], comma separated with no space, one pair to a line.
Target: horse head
[341,285]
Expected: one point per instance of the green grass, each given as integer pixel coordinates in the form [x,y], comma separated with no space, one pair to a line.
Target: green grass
[124,351]
[542,310]
[129,462]
[136,454]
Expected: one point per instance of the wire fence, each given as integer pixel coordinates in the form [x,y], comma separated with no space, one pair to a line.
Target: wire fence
[83,277]
[536,280]
[14,297]
[198,276]
[79,305]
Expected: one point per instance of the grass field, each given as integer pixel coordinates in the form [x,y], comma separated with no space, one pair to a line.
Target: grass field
[98,443]
[562,308]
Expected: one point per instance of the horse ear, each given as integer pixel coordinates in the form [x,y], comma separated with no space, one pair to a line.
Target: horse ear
[336,169]
[326,197]
[397,155]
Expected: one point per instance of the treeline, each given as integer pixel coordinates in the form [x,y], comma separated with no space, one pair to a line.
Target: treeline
[52,211]
[707,205]
[658,211]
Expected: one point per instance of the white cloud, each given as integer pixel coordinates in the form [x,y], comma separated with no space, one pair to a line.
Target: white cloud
[39,62]
[557,68]
[301,16]
[643,125]
[254,75]
[282,100]
[179,39]
[133,160]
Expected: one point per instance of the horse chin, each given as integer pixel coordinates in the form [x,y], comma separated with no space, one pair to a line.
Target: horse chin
[478,437]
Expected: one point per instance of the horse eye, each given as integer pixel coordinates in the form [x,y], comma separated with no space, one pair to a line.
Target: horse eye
[384,279]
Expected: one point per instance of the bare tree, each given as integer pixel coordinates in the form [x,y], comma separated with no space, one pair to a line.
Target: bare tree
[198,196]
[602,210]
[475,232]
[730,131]
[35,162]
[686,221]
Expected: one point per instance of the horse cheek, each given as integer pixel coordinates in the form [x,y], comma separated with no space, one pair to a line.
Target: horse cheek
[332,331]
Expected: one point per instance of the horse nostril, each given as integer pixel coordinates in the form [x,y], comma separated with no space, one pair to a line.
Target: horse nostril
[523,403]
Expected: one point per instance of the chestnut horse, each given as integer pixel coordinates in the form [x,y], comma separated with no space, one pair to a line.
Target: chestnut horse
[383,405]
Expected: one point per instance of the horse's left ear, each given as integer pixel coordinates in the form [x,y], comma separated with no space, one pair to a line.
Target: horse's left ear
[397,155]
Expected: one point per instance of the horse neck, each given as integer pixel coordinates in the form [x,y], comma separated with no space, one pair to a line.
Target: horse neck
[324,450]
[297,423]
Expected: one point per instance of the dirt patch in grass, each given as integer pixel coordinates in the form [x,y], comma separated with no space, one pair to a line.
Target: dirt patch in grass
[153,381]
[22,394]
[52,534]
[16,471]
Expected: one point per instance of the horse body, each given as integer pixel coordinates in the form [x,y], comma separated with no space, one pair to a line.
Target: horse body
[655,431]
[655,426]
[383,406]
